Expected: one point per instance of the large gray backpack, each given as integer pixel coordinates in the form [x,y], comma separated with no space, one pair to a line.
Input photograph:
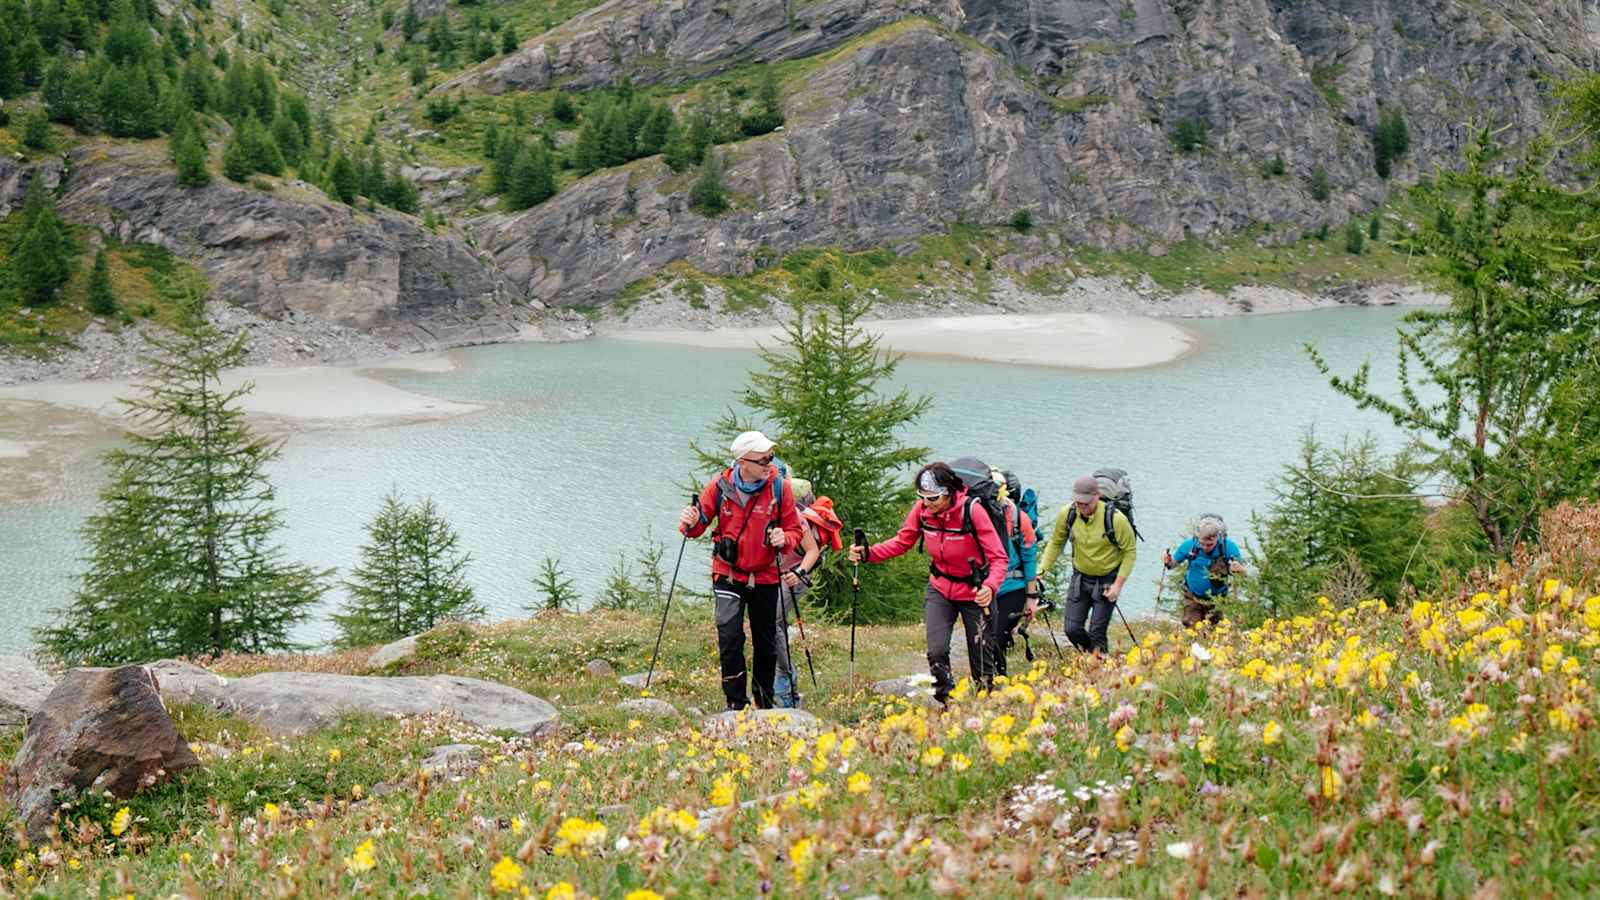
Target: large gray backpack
[1116,489]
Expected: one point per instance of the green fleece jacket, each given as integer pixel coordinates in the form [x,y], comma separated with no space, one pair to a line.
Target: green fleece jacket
[1092,554]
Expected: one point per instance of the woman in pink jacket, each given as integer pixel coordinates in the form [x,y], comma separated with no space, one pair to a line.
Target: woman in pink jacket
[966,564]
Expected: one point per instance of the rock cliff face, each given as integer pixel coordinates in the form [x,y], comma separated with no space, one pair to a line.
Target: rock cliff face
[907,116]
[271,252]
[972,110]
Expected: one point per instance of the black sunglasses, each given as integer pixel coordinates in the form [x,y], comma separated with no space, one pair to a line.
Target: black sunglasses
[763,461]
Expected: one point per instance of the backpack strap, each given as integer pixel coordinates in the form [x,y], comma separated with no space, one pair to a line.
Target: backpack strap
[1111,531]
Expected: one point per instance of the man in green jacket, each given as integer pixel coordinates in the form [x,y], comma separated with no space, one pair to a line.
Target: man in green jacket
[1102,559]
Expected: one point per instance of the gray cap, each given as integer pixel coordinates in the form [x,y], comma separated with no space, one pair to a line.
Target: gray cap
[1086,488]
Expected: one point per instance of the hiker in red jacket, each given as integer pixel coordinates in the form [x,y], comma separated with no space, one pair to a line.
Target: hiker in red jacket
[753,507]
[966,564]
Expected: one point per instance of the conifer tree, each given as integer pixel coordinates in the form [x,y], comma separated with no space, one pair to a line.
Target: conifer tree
[410,577]
[708,196]
[236,163]
[41,251]
[508,39]
[678,152]
[410,25]
[657,127]
[181,553]
[588,153]
[827,368]
[554,587]
[491,140]
[532,178]
[101,301]
[345,179]
[562,110]
[36,133]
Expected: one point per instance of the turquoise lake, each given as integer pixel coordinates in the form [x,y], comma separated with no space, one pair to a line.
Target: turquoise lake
[580,447]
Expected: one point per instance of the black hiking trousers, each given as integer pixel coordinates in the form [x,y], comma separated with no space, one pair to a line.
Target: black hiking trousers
[731,599]
[1085,595]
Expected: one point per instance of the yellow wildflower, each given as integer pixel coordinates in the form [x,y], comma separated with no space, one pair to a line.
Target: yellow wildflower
[361,860]
[506,876]
[722,790]
[800,859]
[933,756]
[1332,783]
[643,894]
[1002,724]
[1470,620]
[685,822]
[859,783]
[578,837]
[1561,720]
[999,747]
[119,822]
[334,755]
[1552,657]
[1207,746]
[562,891]
[1271,733]
[960,762]
[270,812]
[1124,738]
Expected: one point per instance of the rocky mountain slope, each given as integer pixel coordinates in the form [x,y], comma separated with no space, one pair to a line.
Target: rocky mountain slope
[969,111]
[902,118]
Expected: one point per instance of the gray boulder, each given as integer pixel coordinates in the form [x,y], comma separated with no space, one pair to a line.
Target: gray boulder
[452,758]
[788,721]
[291,703]
[388,654]
[100,730]
[635,680]
[649,706]
[23,689]
[599,668]
[911,687]
[185,682]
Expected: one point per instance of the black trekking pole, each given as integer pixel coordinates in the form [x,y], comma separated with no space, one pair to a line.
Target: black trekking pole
[1044,612]
[788,654]
[983,636]
[695,502]
[855,597]
[800,621]
[1125,624]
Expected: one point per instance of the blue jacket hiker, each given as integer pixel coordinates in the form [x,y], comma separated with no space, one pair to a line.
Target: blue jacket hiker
[1210,557]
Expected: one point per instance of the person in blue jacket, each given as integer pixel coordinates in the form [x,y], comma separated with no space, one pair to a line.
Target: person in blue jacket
[1211,557]
[1019,593]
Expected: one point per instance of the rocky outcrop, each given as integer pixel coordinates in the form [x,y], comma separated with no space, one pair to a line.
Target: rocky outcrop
[679,39]
[388,654]
[101,730]
[293,250]
[291,703]
[23,689]
[969,111]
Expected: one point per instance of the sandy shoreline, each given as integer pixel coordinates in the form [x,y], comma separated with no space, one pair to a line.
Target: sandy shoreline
[1065,340]
[317,396]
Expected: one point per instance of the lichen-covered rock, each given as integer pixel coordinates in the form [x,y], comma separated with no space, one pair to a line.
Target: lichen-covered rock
[100,730]
[292,703]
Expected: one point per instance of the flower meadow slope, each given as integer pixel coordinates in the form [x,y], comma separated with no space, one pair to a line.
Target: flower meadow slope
[1441,749]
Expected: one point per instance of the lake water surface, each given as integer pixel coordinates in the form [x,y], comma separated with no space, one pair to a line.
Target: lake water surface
[580,447]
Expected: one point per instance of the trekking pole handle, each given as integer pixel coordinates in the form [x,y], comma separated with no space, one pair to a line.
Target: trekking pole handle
[860,541]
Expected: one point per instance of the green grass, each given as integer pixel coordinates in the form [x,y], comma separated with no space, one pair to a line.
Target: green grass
[1340,750]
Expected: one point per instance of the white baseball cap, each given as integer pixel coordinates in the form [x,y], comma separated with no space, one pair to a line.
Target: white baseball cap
[751,442]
